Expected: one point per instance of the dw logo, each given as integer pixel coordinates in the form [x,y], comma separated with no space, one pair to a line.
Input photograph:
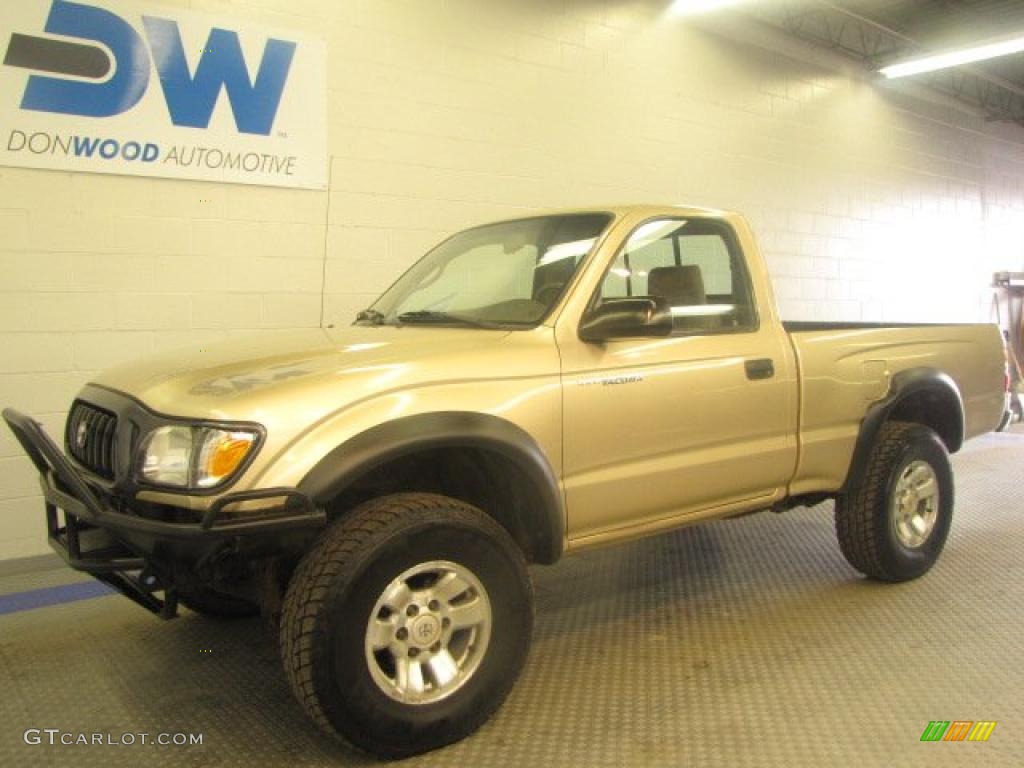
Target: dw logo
[103,87]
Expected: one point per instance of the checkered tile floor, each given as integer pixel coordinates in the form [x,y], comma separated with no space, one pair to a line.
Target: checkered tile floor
[739,643]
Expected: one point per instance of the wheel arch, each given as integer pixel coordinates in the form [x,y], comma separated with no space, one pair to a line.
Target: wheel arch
[478,458]
[924,396]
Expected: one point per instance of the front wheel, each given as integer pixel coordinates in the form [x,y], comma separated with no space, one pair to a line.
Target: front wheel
[405,628]
[893,525]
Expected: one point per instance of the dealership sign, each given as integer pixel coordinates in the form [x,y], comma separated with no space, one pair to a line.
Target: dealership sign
[119,86]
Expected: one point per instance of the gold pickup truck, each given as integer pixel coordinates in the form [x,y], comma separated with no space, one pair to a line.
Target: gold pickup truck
[528,389]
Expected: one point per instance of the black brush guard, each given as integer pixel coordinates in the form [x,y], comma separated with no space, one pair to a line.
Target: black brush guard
[102,541]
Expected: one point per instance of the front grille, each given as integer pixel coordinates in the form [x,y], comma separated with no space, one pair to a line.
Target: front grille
[91,438]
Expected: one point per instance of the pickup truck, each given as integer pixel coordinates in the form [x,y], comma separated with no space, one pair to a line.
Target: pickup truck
[528,389]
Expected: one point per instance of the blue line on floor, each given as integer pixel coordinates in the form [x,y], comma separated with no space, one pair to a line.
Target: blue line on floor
[40,598]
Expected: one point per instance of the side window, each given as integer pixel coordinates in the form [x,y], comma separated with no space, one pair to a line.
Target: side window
[694,265]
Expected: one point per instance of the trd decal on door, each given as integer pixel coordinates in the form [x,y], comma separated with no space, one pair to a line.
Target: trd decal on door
[610,381]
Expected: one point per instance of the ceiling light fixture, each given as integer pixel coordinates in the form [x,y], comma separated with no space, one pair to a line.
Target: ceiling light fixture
[954,58]
[695,7]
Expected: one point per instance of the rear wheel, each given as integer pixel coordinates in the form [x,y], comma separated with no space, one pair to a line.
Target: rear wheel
[894,524]
[405,628]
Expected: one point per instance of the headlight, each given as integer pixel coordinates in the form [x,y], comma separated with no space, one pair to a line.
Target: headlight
[194,457]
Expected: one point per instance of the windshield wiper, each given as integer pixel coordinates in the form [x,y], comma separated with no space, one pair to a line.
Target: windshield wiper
[371,316]
[435,316]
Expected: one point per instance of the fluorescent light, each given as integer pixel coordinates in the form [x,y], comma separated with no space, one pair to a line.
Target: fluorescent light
[694,7]
[954,58]
[567,251]
[653,231]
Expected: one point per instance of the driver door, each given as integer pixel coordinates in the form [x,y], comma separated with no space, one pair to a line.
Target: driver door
[701,421]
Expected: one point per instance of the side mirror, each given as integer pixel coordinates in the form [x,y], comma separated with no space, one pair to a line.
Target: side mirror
[647,316]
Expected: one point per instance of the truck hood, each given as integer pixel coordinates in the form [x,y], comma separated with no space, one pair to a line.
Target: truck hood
[239,379]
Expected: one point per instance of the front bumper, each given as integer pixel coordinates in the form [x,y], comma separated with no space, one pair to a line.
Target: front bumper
[140,556]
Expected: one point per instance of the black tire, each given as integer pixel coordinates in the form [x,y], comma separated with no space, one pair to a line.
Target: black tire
[215,605]
[335,590]
[865,520]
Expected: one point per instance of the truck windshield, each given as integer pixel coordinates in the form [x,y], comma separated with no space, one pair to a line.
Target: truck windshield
[506,274]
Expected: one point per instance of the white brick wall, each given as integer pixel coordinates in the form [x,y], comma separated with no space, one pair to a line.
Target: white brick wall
[870,204]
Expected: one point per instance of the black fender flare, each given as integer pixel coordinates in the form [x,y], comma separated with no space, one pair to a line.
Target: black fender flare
[906,384]
[371,449]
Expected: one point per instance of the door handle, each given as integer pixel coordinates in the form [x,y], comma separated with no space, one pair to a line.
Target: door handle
[764,368]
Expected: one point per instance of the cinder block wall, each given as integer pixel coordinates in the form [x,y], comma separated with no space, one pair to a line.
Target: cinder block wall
[871,203]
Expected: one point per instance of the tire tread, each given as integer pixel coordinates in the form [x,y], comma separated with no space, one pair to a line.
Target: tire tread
[335,556]
[856,512]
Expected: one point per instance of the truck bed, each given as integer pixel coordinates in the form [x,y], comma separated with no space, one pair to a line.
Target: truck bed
[804,326]
[846,366]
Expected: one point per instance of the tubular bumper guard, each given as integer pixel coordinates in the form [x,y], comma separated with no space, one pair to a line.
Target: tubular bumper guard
[65,489]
